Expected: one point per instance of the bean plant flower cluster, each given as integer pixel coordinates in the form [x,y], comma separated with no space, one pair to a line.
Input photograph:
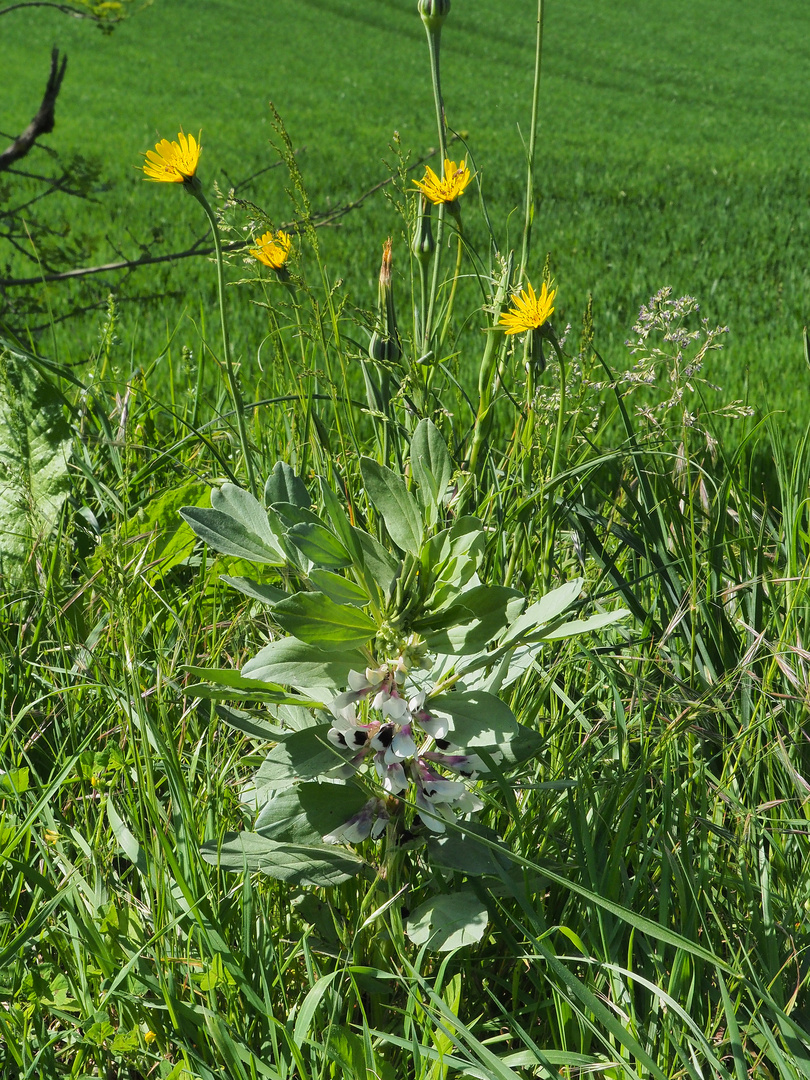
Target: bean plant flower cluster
[378,721]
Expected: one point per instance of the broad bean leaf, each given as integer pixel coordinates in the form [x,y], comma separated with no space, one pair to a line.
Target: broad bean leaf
[314,618]
[477,719]
[255,726]
[291,662]
[465,852]
[318,865]
[395,505]
[320,546]
[265,594]
[549,607]
[289,514]
[237,524]
[475,618]
[339,589]
[340,523]
[231,684]
[448,921]
[305,813]
[380,563]
[431,467]
[284,485]
[303,755]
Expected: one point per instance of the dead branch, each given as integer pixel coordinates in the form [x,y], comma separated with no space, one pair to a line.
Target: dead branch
[44,120]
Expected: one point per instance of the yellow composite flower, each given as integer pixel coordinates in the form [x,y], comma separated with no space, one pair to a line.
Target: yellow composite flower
[173,162]
[530,311]
[451,185]
[273,250]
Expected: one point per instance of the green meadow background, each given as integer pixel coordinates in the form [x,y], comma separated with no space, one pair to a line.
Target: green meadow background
[674,150]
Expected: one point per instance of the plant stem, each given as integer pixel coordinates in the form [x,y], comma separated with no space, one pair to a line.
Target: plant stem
[434,41]
[529,212]
[233,386]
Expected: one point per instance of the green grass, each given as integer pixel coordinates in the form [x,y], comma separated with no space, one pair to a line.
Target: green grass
[672,150]
[647,911]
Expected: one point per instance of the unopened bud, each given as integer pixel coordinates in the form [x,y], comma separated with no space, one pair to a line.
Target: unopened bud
[423,244]
[384,345]
[433,12]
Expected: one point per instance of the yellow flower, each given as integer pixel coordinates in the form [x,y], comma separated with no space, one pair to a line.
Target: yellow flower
[173,162]
[452,184]
[530,312]
[149,1037]
[51,836]
[273,250]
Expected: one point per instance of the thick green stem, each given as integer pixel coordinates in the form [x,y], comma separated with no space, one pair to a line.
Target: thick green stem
[529,212]
[486,374]
[233,386]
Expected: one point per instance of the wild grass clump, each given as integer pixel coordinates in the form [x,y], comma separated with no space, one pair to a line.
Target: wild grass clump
[428,702]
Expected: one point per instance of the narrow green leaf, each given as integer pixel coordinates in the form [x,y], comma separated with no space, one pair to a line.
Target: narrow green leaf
[583,626]
[548,607]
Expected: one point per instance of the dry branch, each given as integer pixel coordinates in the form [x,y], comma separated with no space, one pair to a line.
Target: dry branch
[44,120]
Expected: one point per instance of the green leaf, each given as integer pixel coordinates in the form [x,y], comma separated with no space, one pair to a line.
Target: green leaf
[291,662]
[255,726]
[318,864]
[237,524]
[265,594]
[431,466]
[448,921]
[395,505]
[339,589]
[320,546]
[14,781]
[378,562]
[305,813]
[302,756]
[340,523]
[35,448]
[232,684]
[551,605]
[583,626]
[473,620]
[314,618]
[464,852]
[477,719]
[284,485]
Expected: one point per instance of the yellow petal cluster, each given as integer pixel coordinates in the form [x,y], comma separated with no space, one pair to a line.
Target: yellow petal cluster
[449,187]
[273,250]
[530,311]
[173,162]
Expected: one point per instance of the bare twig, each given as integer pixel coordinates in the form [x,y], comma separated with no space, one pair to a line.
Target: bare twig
[44,120]
[66,9]
[327,217]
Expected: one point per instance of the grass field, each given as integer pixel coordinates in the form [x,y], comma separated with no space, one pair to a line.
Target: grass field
[442,714]
[673,149]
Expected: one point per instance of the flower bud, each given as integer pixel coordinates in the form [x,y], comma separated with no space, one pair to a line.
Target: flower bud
[433,13]
[423,244]
[384,345]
